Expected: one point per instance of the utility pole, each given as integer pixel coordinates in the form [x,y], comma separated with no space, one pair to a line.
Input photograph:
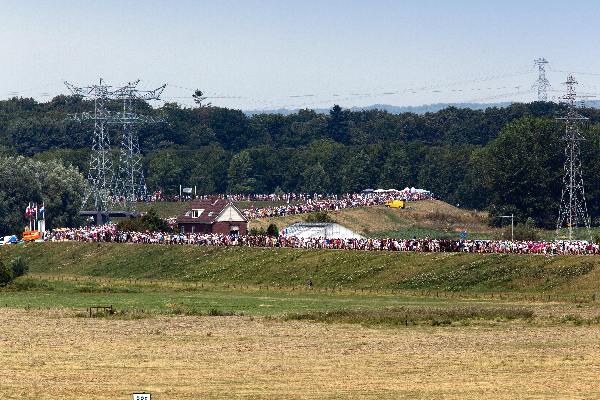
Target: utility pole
[573,208]
[542,84]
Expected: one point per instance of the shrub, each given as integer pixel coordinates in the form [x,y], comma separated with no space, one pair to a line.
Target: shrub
[320,216]
[215,312]
[257,232]
[19,267]
[147,222]
[272,230]
[6,274]
[525,231]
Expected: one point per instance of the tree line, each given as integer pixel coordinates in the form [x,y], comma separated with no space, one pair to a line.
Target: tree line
[506,160]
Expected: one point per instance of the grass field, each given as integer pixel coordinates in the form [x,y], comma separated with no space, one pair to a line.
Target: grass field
[432,218]
[453,272]
[183,357]
[222,323]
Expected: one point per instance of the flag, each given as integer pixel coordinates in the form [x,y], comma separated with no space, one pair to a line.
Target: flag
[29,211]
[42,212]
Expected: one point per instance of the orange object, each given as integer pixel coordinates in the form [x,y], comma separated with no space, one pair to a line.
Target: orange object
[30,236]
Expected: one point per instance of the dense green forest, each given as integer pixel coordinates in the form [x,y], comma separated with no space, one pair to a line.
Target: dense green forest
[502,159]
[23,180]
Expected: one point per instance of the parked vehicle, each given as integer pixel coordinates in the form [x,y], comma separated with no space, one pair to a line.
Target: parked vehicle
[395,204]
[12,239]
[30,236]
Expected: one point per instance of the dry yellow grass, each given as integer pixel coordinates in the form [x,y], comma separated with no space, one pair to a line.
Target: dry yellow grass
[433,214]
[52,356]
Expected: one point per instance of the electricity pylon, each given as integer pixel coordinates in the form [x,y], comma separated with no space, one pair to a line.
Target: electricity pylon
[125,185]
[573,208]
[542,84]
[98,191]
[128,182]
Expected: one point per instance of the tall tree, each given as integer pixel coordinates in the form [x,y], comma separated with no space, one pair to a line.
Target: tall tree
[23,180]
[240,173]
[337,126]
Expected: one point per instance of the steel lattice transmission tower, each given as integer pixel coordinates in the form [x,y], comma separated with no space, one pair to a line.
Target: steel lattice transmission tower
[98,190]
[573,208]
[542,84]
[128,182]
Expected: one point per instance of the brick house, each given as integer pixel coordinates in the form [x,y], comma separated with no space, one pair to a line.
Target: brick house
[212,216]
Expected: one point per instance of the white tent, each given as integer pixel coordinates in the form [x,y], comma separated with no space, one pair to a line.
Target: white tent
[325,230]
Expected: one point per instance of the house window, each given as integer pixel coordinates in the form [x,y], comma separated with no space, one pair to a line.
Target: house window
[196,213]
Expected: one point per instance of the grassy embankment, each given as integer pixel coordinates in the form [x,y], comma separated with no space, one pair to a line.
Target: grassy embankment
[426,218]
[434,219]
[421,219]
[198,280]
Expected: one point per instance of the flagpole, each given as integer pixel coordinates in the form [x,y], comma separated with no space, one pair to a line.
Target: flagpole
[42,222]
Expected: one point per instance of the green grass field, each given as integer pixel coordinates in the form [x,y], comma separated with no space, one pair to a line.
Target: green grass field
[194,280]
[452,272]
[161,297]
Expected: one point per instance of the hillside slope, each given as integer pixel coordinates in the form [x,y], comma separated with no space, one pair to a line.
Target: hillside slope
[432,218]
[326,268]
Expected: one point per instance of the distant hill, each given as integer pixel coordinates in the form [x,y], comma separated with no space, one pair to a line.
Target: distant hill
[390,108]
[422,109]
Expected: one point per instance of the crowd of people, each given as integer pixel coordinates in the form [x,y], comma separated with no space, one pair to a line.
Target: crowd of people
[287,197]
[320,203]
[110,233]
[407,193]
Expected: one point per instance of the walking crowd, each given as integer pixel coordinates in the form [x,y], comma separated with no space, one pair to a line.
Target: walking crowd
[109,233]
[333,203]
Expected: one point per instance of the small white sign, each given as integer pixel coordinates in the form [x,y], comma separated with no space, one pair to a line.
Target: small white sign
[141,396]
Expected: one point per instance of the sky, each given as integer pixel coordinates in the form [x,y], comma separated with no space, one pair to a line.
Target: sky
[271,54]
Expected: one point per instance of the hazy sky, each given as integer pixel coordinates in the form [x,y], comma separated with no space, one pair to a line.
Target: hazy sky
[265,54]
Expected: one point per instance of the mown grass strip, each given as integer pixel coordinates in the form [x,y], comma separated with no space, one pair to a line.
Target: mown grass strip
[409,316]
